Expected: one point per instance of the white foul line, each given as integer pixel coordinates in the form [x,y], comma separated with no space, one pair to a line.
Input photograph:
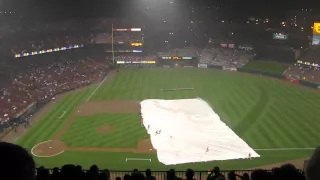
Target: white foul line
[96,88]
[64,112]
[44,156]
[284,149]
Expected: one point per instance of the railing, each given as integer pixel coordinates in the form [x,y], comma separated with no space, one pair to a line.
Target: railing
[198,175]
[161,175]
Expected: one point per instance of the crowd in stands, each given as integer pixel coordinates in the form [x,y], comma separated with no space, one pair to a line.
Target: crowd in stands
[183,52]
[308,72]
[40,83]
[44,36]
[17,164]
[304,72]
[226,57]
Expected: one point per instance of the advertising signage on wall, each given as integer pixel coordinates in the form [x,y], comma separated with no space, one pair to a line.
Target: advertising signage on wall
[316,39]
[316,34]
[308,63]
[316,28]
[176,58]
[136,62]
[280,36]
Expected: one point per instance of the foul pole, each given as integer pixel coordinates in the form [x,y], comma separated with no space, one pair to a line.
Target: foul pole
[112,50]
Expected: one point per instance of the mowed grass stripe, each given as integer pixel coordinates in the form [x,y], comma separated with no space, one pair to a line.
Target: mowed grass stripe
[310,130]
[42,131]
[49,130]
[49,122]
[290,129]
[267,141]
[238,104]
[279,124]
[299,119]
[254,114]
[281,141]
[302,130]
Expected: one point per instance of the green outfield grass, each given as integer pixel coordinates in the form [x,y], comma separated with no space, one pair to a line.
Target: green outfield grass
[267,66]
[266,113]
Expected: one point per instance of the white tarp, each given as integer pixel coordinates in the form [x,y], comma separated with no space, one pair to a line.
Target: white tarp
[188,127]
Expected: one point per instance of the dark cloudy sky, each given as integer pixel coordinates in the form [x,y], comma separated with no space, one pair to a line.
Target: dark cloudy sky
[237,7]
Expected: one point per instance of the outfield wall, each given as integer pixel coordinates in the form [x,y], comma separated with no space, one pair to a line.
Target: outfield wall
[273,75]
[278,76]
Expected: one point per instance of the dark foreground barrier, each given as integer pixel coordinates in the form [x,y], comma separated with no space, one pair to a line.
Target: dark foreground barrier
[198,175]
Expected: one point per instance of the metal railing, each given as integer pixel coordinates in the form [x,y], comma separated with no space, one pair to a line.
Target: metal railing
[161,175]
[198,175]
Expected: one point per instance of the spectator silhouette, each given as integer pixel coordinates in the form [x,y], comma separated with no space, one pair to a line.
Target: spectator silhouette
[16,163]
[118,178]
[149,176]
[287,171]
[136,175]
[43,174]
[93,173]
[80,173]
[104,175]
[245,176]
[232,175]
[68,172]
[189,174]
[55,174]
[171,175]
[215,174]
[126,177]
[260,174]
[313,166]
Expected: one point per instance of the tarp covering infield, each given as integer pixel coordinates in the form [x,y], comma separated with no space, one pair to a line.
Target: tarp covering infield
[190,132]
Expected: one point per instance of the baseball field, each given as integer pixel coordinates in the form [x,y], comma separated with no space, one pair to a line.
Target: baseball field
[101,124]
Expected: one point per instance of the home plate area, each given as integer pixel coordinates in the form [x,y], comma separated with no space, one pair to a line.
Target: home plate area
[188,130]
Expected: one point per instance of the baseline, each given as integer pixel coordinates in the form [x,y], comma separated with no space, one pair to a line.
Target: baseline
[64,112]
[137,159]
[284,149]
[98,87]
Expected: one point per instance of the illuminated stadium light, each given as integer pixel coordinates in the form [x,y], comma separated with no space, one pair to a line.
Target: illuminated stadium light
[135,29]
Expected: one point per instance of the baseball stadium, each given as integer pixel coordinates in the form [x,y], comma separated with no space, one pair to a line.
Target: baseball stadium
[90,125]
[111,99]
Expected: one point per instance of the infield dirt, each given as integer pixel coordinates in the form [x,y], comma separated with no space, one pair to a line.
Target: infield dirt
[91,108]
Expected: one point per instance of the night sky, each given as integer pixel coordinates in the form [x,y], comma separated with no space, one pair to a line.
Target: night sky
[81,8]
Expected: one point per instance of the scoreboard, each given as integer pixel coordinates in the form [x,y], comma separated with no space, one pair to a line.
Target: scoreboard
[136,44]
[177,58]
[178,61]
